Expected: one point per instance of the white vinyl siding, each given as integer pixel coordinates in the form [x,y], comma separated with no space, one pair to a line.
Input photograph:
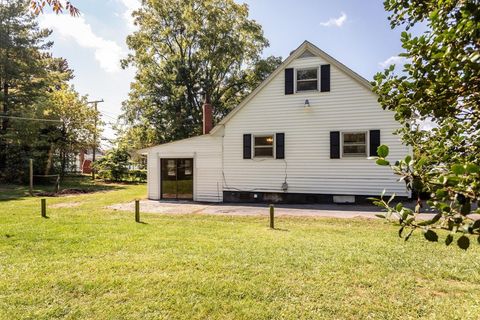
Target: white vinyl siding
[349,106]
[206,152]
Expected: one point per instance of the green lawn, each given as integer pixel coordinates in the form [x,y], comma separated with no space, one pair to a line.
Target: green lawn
[87,262]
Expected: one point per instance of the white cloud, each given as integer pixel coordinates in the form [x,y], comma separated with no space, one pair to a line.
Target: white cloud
[335,22]
[107,52]
[392,60]
[130,6]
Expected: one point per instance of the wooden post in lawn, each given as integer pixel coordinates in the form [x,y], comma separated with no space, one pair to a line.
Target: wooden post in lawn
[31,177]
[272,217]
[44,207]
[137,210]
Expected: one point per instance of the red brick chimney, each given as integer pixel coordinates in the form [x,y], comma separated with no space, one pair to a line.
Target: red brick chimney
[207,115]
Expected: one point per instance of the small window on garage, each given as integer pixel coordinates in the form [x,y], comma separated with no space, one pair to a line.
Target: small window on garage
[354,144]
[263,146]
[307,79]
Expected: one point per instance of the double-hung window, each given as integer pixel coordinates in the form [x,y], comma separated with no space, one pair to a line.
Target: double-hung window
[354,144]
[307,79]
[263,146]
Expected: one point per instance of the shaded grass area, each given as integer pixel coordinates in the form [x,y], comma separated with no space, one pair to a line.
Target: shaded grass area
[11,192]
[90,262]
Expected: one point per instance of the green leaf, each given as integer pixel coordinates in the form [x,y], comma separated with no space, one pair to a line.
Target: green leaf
[431,221]
[382,162]
[431,235]
[382,151]
[458,169]
[452,180]
[379,215]
[408,158]
[399,206]
[463,242]
[440,193]
[422,161]
[472,168]
[476,224]
[449,239]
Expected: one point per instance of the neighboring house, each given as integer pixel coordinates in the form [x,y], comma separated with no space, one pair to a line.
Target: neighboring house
[304,135]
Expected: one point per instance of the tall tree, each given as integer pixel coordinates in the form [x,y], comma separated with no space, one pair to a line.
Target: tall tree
[41,116]
[22,69]
[439,84]
[76,127]
[184,50]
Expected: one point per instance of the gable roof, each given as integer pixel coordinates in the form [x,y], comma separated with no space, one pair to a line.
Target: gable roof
[305,46]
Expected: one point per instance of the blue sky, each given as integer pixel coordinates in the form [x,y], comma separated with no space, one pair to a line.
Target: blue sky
[355,32]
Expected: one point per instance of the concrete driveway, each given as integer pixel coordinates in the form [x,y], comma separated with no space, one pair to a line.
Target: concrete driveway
[302,210]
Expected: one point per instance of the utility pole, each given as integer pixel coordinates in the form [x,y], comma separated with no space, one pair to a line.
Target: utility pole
[95,105]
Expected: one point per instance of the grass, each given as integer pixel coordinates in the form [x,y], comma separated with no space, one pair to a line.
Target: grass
[10,192]
[89,262]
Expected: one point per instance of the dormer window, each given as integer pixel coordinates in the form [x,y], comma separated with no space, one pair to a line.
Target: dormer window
[307,79]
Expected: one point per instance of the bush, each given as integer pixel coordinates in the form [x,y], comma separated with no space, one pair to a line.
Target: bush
[114,166]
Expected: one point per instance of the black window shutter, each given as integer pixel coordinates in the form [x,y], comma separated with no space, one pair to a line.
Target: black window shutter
[280,145]
[247,146]
[325,78]
[334,144]
[374,142]
[289,81]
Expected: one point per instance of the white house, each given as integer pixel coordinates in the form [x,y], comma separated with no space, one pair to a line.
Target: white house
[304,135]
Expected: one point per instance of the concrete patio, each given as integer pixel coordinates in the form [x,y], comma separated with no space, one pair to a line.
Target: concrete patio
[231,209]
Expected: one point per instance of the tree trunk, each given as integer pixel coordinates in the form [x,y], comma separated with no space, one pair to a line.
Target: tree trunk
[64,163]
[48,167]
[5,106]
[3,131]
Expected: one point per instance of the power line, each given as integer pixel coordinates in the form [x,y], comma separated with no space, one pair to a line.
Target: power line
[32,119]
[109,113]
[107,116]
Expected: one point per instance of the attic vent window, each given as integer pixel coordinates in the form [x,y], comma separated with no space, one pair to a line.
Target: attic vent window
[307,79]
[306,54]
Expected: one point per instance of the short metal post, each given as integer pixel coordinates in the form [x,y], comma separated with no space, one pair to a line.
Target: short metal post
[137,210]
[272,217]
[44,207]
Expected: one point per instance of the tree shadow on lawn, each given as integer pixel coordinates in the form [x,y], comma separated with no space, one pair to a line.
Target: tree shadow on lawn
[68,186]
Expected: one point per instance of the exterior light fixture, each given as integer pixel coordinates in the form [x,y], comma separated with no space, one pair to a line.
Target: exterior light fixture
[306,104]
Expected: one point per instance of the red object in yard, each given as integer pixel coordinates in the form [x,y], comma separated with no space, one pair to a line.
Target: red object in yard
[87,166]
